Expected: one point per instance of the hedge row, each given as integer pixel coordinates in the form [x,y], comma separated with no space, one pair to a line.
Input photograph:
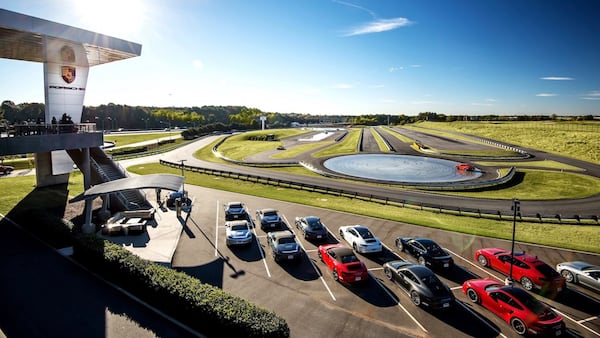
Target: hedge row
[201,306]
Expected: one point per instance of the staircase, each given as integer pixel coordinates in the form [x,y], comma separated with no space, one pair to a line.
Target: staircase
[104,169]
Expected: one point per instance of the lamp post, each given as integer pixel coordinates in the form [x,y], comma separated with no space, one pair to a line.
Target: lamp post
[516,207]
[183,174]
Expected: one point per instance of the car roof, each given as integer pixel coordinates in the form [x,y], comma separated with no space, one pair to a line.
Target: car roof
[268,210]
[342,251]
[419,270]
[311,218]
[281,234]
[237,222]
[230,204]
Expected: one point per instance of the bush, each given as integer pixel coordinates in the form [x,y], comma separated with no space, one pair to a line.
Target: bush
[203,307]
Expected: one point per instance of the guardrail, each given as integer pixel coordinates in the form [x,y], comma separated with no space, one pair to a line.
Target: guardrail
[386,200]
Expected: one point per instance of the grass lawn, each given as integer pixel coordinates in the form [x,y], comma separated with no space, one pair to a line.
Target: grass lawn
[123,140]
[348,145]
[565,236]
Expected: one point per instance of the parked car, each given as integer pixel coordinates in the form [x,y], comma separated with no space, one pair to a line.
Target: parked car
[178,195]
[343,263]
[312,228]
[238,232]
[426,251]
[283,245]
[269,219]
[420,283]
[235,210]
[524,313]
[527,269]
[361,238]
[6,169]
[579,272]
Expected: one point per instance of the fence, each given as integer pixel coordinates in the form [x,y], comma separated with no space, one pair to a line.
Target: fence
[386,200]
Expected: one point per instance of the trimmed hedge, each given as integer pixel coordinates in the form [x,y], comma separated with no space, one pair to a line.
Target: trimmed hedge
[201,306]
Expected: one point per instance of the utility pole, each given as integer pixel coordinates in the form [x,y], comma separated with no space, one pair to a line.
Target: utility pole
[183,174]
[516,208]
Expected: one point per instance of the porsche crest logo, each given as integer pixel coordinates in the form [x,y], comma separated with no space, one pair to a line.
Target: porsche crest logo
[68,73]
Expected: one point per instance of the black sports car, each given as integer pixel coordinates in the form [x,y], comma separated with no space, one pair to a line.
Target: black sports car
[426,251]
[311,228]
[420,283]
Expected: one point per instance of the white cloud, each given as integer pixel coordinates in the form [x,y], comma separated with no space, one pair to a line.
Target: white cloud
[380,25]
[481,104]
[593,95]
[557,78]
[343,86]
[490,100]
[198,64]
[377,86]
[546,94]
[395,69]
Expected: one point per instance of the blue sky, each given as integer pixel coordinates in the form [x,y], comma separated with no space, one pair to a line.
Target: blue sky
[336,57]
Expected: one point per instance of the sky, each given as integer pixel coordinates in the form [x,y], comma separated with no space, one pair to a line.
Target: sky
[329,57]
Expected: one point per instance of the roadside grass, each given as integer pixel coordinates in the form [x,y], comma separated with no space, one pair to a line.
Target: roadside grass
[123,140]
[398,135]
[20,163]
[21,186]
[348,145]
[543,164]
[239,146]
[299,149]
[568,138]
[380,142]
[541,185]
[585,238]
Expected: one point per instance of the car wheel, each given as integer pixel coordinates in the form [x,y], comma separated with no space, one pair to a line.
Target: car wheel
[388,273]
[568,276]
[482,260]
[421,260]
[518,325]
[416,299]
[472,295]
[355,247]
[320,256]
[336,277]
[526,283]
[400,245]
[341,233]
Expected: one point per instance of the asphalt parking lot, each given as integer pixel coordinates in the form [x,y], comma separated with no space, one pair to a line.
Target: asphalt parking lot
[314,305]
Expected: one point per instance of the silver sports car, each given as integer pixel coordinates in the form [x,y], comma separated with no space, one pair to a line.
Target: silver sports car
[581,273]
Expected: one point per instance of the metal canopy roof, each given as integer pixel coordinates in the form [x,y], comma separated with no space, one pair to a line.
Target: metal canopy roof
[163,181]
[21,39]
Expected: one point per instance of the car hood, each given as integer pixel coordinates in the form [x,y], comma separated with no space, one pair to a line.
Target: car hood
[235,210]
[270,218]
[576,265]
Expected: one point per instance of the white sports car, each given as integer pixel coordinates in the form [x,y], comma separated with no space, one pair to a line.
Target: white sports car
[580,273]
[361,238]
[238,232]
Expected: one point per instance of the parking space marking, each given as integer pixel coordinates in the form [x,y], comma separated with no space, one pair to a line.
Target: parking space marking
[311,261]
[262,252]
[397,300]
[486,271]
[564,315]
[587,319]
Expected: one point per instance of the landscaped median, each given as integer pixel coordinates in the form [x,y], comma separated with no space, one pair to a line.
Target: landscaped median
[203,307]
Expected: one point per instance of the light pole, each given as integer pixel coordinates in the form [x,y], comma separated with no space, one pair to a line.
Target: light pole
[183,174]
[516,207]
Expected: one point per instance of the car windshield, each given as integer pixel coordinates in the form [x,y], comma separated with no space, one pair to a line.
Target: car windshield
[349,259]
[314,223]
[286,240]
[239,227]
[546,270]
[270,213]
[364,232]
[431,281]
[235,206]
[433,248]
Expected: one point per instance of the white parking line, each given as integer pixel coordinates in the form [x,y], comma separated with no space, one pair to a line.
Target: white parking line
[397,300]
[587,319]
[262,253]
[576,322]
[487,272]
[311,262]
[483,319]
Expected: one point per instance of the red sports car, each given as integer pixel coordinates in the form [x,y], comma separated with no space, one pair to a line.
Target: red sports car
[527,269]
[343,263]
[524,313]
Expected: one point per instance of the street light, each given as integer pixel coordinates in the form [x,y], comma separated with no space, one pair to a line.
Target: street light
[516,207]
[183,174]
